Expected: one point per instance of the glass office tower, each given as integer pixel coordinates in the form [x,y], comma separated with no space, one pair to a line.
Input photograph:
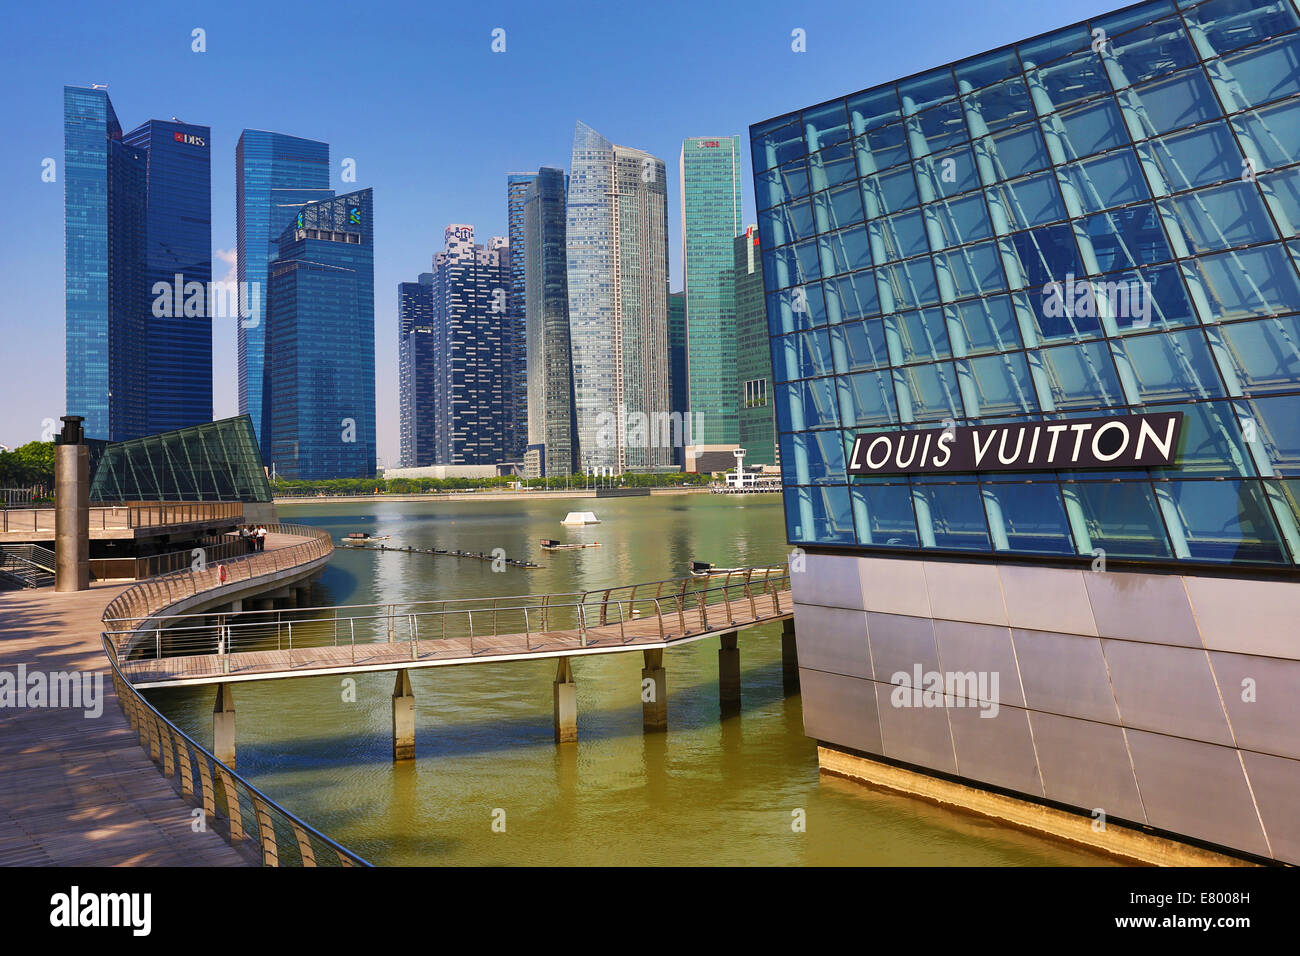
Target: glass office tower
[320,342]
[710,188]
[1094,227]
[618,303]
[516,333]
[678,377]
[754,395]
[414,360]
[137,219]
[552,417]
[275,175]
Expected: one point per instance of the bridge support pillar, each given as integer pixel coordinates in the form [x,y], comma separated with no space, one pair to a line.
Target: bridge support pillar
[302,595]
[789,656]
[654,692]
[729,673]
[403,718]
[223,725]
[566,703]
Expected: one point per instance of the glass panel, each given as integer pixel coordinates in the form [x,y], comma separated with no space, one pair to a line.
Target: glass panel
[1212,443]
[1217,218]
[806,404]
[947,174]
[987,324]
[1121,518]
[1002,385]
[950,517]
[905,285]
[817,457]
[1110,180]
[795,309]
[825,125]
[818,515]
[970,270]
[1277,424]
[844,251]
[864,345]
[1284,188]
[882,148]
[927,392]
[1263,73]
[1070,80]
[926,90]
[803,355]
[1228,24]
[1092,128]
[785,224]
[1053,46]
[888,192]
[1152,50]
[832,166]
[1032,201]
[997,107]
[1045,254]
[1246,284]
[871,399]
[781,185]
[1271,136]
[1016,152]
[1197,157]
[852,296]
[778,146]
[1124,238]
[1265,354]
[942,127]
[898,237]
[916,336]
[955,221]
[987,69]
[884,515]
[873,108]
[1226,521]
[1080,376]
[1129,19]
[1169,104]
[838,208]
[1030,516]
[1170,366]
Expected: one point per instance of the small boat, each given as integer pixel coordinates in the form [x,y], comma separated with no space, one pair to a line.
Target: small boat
[703,569]
[580,517]
[363,537]
[549,544]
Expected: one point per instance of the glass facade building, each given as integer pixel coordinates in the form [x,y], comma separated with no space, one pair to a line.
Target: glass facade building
[138,263]
[516,332]
[1098,221]
[275,175]
[319,407]
[414,360]
[710,191]
[755,399]
[617,260]
[217,461]
[678,376]
[552,417]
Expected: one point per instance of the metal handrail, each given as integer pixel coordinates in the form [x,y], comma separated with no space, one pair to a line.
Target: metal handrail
[180,752]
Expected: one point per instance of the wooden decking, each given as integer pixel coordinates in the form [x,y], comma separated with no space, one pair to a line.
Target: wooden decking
[631,635]
[78,791]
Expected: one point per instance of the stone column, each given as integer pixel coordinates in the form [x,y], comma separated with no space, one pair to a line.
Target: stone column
[403,718]
[729,673]
[654,692]
[566,703]
[789,656]
[223,725]
[72,508]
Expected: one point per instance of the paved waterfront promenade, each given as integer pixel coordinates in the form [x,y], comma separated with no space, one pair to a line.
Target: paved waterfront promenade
[80,791]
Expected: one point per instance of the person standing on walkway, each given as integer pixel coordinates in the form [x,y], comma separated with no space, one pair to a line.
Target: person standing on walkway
[261,538]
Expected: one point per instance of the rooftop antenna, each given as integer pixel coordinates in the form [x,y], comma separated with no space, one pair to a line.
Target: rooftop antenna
[99,86]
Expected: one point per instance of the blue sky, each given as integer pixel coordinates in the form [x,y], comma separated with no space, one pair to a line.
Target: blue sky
[433,118]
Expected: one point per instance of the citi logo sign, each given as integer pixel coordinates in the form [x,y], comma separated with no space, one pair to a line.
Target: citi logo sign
[189,139]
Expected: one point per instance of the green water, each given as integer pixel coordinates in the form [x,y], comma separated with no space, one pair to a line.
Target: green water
[709,791]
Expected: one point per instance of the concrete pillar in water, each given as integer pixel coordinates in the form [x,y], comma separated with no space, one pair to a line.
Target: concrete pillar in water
[729,673]
[654,692]
[302,595]
[223,725]
[72,508]
[403,718]
[566,703]
[789,656]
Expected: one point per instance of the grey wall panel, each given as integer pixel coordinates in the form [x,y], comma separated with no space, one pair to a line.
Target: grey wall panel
[918,735]
[1249,617]
[1142,607]
[960,591]
[899,643]
[1047,599]
[1065,674]
[1268,723]
[1166,689]
[995,749]
[982,648]
[1275,781]
[832,639]
[840,710]
[1086,764]
[1196,789]
[829,580]
[895,587]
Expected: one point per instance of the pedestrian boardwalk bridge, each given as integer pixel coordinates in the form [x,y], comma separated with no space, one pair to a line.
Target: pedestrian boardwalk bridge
[226,647]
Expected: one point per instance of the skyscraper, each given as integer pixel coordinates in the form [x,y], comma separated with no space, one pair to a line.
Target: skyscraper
[320,342]
[137,219]
[466,354]
[552,418]
[678,378]
[755,400]
[415,397]
[710,186]
[275,175]
[515,332]
[618,303]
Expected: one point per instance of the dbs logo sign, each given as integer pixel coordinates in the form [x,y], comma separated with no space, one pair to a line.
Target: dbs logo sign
[189,139]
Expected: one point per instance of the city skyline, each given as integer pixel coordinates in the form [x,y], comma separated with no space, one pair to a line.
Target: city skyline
[387,152]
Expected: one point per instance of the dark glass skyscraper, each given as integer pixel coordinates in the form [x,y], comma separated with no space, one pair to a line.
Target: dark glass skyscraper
[320,342]
[552,417]
[678,368]
[515,332]
[757,409]
[414,364]
[275,175]
[138,263]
